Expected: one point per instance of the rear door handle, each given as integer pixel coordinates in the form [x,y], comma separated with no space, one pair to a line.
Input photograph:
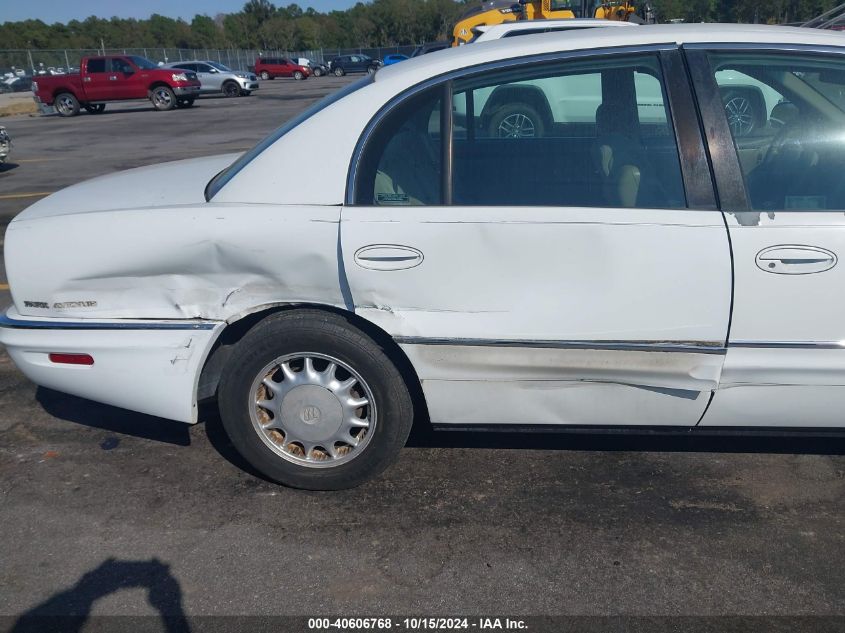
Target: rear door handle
[388,257]
[795,259]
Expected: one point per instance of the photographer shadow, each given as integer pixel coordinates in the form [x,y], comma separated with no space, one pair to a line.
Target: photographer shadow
[68,610]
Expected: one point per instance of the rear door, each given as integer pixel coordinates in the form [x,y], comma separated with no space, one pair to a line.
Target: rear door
[96,79]
[780,171]
[544,259]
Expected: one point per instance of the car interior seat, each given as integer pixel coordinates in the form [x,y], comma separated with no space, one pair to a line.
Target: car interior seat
[408,172]
[618,159]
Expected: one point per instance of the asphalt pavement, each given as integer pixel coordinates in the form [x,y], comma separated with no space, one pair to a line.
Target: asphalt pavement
[108,512]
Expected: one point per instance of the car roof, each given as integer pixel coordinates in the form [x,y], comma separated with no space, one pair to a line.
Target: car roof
[528,25]
[440,62]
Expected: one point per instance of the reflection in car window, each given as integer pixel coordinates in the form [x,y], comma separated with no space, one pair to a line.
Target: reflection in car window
[142,62]
[590,134]
[785,113]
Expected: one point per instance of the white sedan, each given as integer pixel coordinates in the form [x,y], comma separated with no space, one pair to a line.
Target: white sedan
[661,261]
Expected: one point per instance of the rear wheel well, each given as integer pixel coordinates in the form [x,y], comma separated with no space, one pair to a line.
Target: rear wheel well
[62,90]
[215,362]
[509,95]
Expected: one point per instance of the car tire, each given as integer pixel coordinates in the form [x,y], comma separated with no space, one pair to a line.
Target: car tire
[318,72]
[66,104]
[95,108]
[298,75]
[295,441]
[516,120]
[231,89]
[265,75]
[246,93]
[740,112]
[339,72]
[163,98]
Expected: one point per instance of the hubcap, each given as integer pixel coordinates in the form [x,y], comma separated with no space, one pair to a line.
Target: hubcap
[516,125]
[313,410]
[740,116]
[162,97]
[66,104]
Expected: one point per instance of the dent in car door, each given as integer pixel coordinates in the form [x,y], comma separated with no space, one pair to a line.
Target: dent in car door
[580,312]
[785,363]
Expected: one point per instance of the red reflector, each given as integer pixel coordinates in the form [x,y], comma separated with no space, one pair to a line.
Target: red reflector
[72,359]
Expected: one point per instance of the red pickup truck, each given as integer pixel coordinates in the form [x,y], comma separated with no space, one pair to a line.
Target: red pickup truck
[116,78]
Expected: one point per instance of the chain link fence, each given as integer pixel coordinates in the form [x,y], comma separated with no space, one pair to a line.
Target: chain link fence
[32,62]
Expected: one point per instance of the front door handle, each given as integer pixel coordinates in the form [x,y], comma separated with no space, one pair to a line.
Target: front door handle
[795,259]
[388,257]
[113,78]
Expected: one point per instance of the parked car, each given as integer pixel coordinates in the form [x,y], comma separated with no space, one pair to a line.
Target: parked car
[317,69]
[431,47]
[345,64]
[272,67]
[488,33]
[642,278]
[116,78]
[217,78]
[16,83]
[389,60]
[5,144]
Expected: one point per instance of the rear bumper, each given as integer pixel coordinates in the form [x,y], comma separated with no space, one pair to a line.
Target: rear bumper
[147,366]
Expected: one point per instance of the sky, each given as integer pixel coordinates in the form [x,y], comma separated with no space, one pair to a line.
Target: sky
[50,11]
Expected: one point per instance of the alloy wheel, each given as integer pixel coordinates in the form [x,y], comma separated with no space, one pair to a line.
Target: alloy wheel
[517,125]
[740,115]
[161,97]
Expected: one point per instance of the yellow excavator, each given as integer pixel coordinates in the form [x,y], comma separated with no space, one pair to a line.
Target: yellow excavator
[491,12]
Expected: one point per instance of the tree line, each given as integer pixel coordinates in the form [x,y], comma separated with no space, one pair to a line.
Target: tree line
[262,25]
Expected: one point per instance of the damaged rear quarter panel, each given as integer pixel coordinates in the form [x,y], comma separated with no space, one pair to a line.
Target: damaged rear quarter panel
[207,261]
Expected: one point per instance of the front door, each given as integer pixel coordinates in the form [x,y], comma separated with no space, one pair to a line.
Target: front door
[125,79]
[784,196]
[533,249]
[209,78]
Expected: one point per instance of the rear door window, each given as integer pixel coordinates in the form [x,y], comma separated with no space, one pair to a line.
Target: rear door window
[96,65]
[578,133]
